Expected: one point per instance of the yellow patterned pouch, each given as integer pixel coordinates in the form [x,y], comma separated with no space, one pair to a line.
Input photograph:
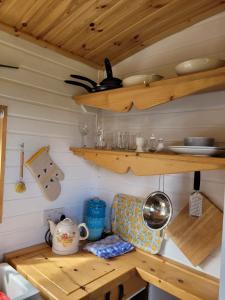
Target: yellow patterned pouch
[128,223]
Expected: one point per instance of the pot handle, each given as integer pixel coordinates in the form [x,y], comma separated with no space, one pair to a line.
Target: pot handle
[77,83]
[108,68]
[86,229]
[92,82]
[197,180]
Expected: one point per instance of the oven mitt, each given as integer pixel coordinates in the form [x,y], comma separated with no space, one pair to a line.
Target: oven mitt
[46,173]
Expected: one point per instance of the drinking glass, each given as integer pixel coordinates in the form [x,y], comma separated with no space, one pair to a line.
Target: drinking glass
[109,141]
[100,142]
[83,128]
[132,141]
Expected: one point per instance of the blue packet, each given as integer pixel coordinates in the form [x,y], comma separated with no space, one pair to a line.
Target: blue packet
[108,247]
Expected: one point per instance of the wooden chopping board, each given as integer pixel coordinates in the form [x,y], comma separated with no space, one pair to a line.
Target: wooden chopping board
[197,237]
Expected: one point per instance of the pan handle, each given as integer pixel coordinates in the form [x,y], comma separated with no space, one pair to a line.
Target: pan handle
[8,66]
[108,68]
[197,180]
[92,82]
[77,83]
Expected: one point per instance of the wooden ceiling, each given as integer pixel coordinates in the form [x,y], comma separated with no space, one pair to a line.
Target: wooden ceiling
[89,30]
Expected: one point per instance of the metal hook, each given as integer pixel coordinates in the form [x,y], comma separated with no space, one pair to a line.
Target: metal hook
[163,182]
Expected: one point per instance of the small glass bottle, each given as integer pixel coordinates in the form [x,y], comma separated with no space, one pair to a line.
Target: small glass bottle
[152,143]
[160,146]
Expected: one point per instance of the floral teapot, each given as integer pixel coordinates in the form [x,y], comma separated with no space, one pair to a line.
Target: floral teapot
[66,236]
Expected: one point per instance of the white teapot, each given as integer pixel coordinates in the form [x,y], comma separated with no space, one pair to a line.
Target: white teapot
[66,236]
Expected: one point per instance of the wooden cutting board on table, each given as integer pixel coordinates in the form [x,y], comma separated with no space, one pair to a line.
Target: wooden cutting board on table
[197,237]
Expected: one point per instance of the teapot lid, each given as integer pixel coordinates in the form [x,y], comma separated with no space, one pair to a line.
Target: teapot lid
[67,222]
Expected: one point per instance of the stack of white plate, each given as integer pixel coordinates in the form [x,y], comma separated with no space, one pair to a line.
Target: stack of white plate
[198,150]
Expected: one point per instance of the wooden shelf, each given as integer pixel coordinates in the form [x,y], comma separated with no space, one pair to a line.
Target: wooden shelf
[144,164]
[159,92]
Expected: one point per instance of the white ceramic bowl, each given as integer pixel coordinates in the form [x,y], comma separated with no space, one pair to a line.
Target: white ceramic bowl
[140,79]
[199,141]
[198,64]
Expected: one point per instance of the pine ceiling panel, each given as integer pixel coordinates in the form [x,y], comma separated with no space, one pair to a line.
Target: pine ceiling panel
[93,29]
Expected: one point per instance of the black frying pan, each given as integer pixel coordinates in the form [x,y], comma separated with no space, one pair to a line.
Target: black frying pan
[93,89]
[108,83]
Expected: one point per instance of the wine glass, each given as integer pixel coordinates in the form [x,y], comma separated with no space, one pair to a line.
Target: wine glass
[83,128]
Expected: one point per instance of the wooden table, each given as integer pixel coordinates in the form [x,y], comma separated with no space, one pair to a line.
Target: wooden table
[85,276]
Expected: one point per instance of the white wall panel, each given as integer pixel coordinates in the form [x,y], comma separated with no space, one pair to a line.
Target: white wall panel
[41,112]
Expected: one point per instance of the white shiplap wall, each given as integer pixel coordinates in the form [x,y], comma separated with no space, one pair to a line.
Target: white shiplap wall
[41,112]
[199,115]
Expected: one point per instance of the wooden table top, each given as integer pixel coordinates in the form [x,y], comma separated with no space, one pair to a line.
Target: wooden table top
[85,276]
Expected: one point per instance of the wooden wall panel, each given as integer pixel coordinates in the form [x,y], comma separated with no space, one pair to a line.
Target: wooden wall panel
[90,30]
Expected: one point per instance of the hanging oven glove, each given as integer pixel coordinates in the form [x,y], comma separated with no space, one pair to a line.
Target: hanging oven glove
[46,173]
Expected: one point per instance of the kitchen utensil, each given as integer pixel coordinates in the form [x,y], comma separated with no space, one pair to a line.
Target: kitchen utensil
[141,79]
[128,223]
[199,141]
[20,185]
[197,238]
[198,65]
[66,236]
[157,209]
[197,150]
[8,66]
[108,83]
[196,198]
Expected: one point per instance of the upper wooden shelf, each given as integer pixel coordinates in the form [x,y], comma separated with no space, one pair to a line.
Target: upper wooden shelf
[158,92]
[144,164]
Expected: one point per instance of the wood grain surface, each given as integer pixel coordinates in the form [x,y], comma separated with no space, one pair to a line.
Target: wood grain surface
[132,269]
[197,237]
[156,93]
[145,164]
[90,30]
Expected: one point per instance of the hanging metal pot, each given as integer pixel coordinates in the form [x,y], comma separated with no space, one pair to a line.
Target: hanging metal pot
[157,210]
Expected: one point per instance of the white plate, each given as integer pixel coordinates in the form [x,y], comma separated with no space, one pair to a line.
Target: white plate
[141,79]
[198,65]
[194,150]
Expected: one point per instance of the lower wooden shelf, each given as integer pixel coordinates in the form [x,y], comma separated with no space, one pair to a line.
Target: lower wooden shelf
[144,164]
